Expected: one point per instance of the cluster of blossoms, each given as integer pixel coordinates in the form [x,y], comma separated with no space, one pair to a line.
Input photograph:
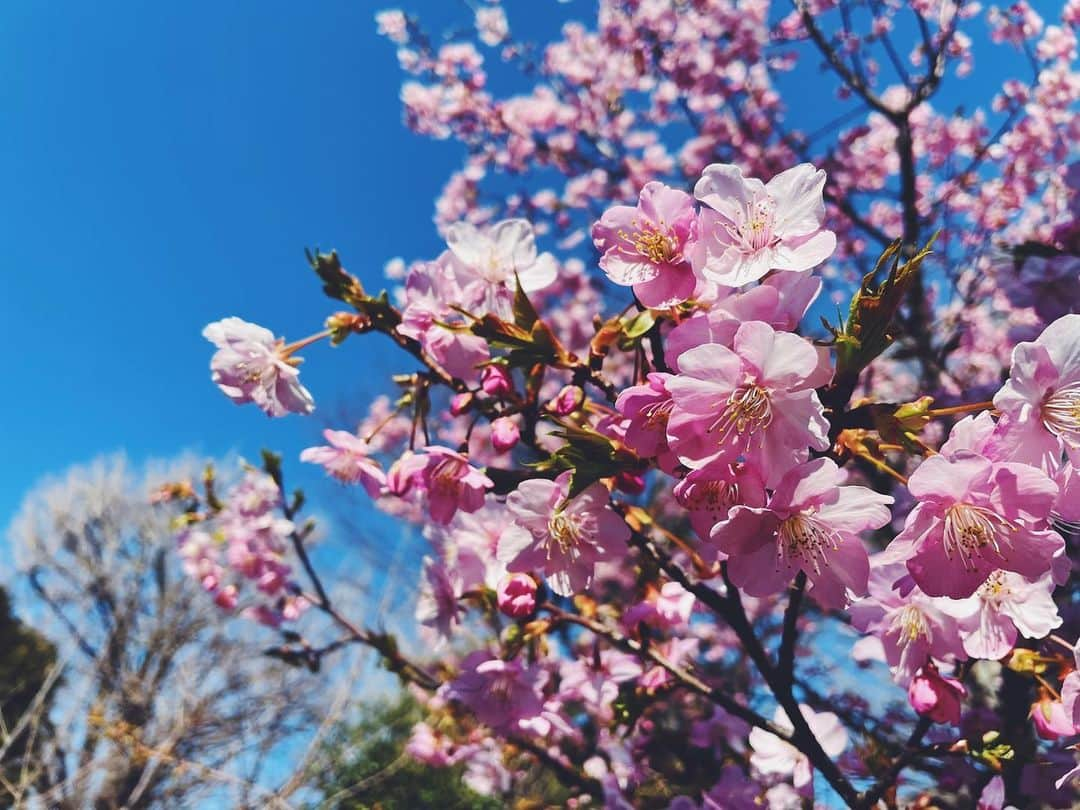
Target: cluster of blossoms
[660,535]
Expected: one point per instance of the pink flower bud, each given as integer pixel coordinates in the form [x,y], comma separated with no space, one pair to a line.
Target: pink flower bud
[495,380]
[516,595]
[504,434]
[226,598]
[568,400]
[460,403]
[936,697]
[630,482]
[1051,720]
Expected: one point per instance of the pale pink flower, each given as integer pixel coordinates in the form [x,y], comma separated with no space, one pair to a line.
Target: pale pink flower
[563,539]
[912,628]
[437,606]
[750,227]
[1040,404]
[449,480]
[775,757]
[595,680]
[251,365]
[490,258]
[648,247]
[346,459]
[665,609]
[677,651]
[1003,607]
[491,25]
[935,696]
[810,523]
[754,401]
[500,693]
[975,516]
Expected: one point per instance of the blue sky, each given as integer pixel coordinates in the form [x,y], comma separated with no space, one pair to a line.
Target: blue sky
[165,165]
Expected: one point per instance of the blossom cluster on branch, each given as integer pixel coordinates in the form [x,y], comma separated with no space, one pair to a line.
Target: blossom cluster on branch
[666,512]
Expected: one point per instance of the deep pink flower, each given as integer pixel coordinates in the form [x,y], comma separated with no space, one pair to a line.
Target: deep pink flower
[250,365]
[648,247]
[346,459]
[647,408]
[562,539]
[1040,404]
[975,516]
[1003,607]
[495,380]
[810,523]
[500,693]
[709,493]
[750,227]
[935,696]
[754,401]
[450,482]
[595,680]
[667,608]
[773,756]
[516,595]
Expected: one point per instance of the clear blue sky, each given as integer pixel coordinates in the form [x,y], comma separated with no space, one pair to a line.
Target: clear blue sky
[163,166]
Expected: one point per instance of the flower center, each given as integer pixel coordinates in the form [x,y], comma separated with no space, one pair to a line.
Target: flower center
[969,530]
[805,540]
[746,412]
[753,231]
[1061,413]
[567,531]
[656,414]
[910,624]
[445,476]
[995,589]
[657,243]
[714,497]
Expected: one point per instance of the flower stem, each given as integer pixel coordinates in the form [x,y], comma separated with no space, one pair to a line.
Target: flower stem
[955,409]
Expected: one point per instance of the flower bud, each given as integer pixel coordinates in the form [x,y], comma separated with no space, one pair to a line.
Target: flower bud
[936,697]
[461,403]
[1051,720]
[504,434]
[495,380]
[516,595]
[568,400]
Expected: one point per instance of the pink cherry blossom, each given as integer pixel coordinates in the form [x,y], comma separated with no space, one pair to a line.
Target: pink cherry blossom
[648,247]
[754,401]
[504,433]
[450,482]
[500,693]
[251,365]
[811,524]
[912,628]
[647,408]
[775,757]
[1040,404]
[975,516]
[709,493]
[1051,720]
[488,260]
[1003,607]
[437,606]
[750,227]
[346,459]
[563,539]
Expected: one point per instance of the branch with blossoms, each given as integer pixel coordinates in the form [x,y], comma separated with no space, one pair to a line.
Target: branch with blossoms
[580,512]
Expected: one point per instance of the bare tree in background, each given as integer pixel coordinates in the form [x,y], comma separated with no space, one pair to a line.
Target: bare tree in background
[161,703]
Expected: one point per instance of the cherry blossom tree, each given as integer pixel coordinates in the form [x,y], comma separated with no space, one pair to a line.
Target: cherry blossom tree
[760,487]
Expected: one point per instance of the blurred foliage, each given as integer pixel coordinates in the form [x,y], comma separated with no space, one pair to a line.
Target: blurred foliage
[26,660]
[365,767]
